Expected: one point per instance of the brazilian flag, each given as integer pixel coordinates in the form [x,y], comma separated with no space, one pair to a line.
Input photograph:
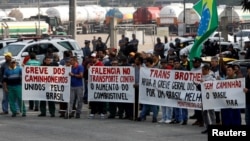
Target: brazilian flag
[207,9]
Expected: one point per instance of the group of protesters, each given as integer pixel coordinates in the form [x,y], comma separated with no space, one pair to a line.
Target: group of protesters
[127,55]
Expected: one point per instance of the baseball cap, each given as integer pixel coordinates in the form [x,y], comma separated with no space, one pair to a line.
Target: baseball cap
[13,60]
[93,55]
[8,54]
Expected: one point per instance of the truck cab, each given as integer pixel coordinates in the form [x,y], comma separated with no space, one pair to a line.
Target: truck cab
[54,23]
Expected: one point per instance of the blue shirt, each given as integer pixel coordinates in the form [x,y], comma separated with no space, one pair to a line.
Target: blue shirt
[75,81]
[13,77]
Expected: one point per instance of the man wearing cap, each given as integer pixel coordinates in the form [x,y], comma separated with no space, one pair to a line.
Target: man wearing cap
[12,84]
[86,50]
[96,107]
[4,66]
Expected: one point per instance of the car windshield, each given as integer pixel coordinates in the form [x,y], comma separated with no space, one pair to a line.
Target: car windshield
[14,49]
[69,45]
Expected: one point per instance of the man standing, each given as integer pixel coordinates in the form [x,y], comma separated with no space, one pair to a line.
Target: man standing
[229,116]
[33,62]
[77,89]
[122,44]
[134,42]
[12,84]
[86,50]
[5,65]
[159,48]
[47,62]
[97,107]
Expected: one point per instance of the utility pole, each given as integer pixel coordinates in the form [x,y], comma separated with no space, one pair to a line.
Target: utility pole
[72,18]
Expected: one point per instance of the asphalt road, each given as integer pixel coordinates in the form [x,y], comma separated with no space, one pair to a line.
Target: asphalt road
[34,128]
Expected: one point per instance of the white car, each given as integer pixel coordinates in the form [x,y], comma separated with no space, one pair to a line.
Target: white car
[224,45]
[240,37]
[21,49]
[4,42]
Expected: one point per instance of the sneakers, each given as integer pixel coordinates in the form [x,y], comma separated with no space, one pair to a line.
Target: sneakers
[91,116]
[13,115]
[4,113]
[167,121]
[161,121]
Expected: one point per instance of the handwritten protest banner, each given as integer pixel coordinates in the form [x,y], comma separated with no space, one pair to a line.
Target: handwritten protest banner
[111,84]
[46,83]
[173,88]
[223,94]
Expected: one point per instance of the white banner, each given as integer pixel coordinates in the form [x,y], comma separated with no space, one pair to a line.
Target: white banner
[111,84]
[173,88]
[46,83]
[221,94]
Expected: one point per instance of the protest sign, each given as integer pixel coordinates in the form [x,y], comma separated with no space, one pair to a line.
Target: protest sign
[173,88]
[111,84]
[46,83]
[221,94]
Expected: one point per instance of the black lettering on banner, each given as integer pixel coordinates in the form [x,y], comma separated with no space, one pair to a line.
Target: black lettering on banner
[107,87]
[154,83]
[57,88]
[232,102]
[193,97]
[163,84]
[150,92]
[207,95]
[125,87]
[105,95]
[92,86]
[216,132]
[218,95]
[191,86]
[54,96]
[178,86]
[161,94]
[146,82]
[40,87]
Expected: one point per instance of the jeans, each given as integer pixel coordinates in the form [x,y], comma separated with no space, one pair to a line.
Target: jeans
[5,102]
[146,108]
[164,113]
[169,111]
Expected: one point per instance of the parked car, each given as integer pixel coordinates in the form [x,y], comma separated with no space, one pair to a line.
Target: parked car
[4,42]
[21,49]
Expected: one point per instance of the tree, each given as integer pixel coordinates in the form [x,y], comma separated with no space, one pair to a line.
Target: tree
[245,5]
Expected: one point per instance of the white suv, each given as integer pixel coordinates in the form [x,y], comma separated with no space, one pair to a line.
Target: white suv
[21,49]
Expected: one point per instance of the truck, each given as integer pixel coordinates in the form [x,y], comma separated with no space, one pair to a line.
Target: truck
[30,27]
[15,29]
[55,23]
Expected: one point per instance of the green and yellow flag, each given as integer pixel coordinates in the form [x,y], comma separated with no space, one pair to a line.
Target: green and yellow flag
[207,9]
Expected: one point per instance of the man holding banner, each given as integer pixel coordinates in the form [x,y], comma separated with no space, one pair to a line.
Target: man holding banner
[230,116]
[76,89]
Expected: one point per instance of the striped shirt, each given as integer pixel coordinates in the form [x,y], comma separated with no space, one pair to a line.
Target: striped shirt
[13,77]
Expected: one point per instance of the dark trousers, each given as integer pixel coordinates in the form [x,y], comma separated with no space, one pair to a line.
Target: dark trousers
[52,107]
[98,107]
[230,117]
[132,108]
[198,114]
[112,109]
